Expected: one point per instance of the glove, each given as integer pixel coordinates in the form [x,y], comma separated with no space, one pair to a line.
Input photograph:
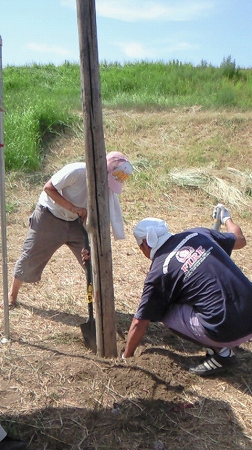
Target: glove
[224,215]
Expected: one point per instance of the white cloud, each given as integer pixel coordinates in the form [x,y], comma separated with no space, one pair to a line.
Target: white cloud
[147,10]
[69,3]
[136,50]
[42,48]
[180,46]
[173,10]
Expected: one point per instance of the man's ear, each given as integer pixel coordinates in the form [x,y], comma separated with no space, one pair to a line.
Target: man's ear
[145,241]
[146,249]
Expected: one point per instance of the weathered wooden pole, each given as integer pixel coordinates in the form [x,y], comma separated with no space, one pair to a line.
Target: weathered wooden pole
[97,182]
[3,213]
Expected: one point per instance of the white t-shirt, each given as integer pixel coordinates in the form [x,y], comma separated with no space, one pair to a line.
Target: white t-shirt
[70,182]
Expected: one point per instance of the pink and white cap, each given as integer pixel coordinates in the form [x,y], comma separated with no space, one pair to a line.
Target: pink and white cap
[119,169]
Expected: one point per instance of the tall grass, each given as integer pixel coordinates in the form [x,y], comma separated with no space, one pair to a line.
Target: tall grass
[40,102]
[43,100]
[160,85]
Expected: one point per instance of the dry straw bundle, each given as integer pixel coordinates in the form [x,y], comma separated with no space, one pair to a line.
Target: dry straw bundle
[231,185]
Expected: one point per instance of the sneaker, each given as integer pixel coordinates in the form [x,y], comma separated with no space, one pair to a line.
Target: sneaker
[214,364]
[209,352]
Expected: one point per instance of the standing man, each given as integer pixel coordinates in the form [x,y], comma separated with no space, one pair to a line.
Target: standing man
[195,289]
[54,221]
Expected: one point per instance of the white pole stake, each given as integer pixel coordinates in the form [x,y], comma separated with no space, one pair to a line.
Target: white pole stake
[3,212]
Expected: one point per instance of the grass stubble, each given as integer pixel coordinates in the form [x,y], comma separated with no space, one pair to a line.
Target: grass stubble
[58,395]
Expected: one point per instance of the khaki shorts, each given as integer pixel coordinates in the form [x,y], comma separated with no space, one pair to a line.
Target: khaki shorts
[46,234]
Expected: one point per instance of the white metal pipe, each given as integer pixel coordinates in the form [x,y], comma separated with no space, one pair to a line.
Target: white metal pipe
[3,211]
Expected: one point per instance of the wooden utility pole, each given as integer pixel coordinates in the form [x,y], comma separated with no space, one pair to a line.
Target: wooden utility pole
[3,212]
[97,181]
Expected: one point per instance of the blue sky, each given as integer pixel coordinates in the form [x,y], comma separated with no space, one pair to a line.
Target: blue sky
[45,31]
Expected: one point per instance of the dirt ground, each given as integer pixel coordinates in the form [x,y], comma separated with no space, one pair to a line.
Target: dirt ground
[55,393]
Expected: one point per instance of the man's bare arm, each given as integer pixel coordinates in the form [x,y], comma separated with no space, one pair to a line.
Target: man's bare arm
[136,332]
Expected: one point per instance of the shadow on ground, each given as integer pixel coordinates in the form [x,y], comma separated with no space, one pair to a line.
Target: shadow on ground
[131,424]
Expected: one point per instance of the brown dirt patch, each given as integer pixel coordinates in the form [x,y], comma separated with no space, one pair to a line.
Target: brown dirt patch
[58,395]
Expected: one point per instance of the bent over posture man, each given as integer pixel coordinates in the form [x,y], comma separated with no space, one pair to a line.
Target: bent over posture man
[54,222]
[195,289]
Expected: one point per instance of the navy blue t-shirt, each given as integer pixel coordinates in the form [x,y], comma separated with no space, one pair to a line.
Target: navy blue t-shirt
[195,267]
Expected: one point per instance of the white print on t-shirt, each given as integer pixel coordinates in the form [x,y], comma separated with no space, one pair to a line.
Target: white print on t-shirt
[173,253]
[188,256]
[194,260]
[185,253]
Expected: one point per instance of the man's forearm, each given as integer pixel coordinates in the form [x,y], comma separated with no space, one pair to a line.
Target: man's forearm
[136,332]
[231,227]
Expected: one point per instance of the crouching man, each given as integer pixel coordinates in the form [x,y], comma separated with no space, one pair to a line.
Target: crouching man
[195,289]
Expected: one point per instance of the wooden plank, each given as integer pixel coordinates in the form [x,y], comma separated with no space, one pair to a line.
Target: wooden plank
[97,182]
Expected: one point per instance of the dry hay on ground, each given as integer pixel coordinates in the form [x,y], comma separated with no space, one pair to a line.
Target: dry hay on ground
[55,394]
[231,185]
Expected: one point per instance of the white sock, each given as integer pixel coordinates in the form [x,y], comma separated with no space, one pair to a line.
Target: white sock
[226,352]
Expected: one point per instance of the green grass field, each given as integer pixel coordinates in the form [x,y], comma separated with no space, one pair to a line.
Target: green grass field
[43,101]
